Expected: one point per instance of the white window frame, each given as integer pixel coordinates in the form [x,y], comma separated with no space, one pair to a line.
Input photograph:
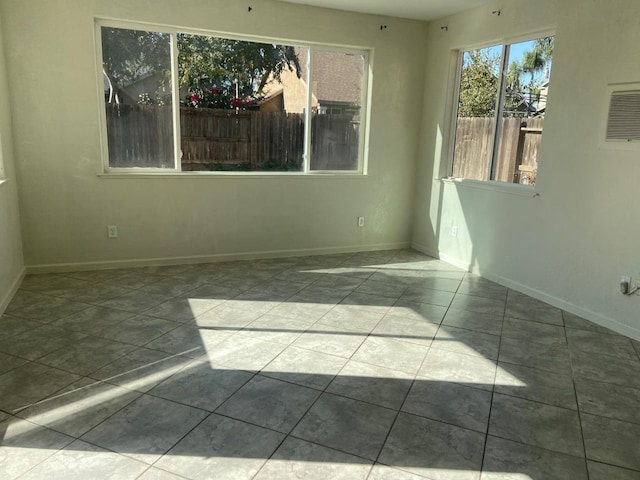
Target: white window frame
[505,43]
[3,177]
[367,75]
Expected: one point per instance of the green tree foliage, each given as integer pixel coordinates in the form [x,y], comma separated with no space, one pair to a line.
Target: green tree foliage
[545,47]
[538,60]
[478,84]
[533,63]
[514,76]
[129,56]
[214,72]
[479,79]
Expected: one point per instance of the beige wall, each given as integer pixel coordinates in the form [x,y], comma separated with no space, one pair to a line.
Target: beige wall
[570,245]
[11,263]
[66,206]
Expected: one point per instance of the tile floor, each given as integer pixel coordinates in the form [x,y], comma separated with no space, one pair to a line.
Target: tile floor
[377,365]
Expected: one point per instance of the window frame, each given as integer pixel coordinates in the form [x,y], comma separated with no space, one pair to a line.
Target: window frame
[458,54]
[3,175]
[176,171]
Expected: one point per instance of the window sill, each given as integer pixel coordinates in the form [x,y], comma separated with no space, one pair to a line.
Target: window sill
[500,187]
[226,175]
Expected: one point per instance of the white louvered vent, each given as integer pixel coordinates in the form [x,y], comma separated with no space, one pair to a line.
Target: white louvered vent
[623,123]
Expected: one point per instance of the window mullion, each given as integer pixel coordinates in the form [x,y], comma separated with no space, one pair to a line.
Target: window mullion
[308,113]
[364,115]
[454,113]
[497,130]
[175,94]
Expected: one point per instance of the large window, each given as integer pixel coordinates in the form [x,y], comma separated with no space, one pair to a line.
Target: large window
[187,102]
[501,105]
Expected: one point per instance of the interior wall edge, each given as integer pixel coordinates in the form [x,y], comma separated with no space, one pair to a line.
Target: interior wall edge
[15,285]
[426,250]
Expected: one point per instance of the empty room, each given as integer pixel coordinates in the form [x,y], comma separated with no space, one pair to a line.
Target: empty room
[320,239]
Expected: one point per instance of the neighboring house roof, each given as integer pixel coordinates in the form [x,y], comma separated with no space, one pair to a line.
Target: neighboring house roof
[337,78]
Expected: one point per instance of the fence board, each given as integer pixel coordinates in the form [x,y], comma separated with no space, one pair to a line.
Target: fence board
[473,148]
[140,136]
[335,141]
[212,139]
[519,145]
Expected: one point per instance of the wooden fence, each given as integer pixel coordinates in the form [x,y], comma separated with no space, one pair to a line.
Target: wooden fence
[216,139]
[517,156]
[335,142]
[140,136]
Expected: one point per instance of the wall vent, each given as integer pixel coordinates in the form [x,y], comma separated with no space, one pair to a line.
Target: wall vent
[623,122]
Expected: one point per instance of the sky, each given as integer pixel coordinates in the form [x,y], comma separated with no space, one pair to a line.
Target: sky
[516,53]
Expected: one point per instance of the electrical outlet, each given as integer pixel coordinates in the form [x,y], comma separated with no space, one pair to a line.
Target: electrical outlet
[361,221]
[112,231]
[454,230]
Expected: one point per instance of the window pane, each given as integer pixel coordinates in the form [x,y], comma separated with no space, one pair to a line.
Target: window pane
[337,87]
[242,105]
[475,125]
[525,90]
[138,98]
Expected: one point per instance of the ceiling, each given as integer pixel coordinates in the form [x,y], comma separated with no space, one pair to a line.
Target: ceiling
[416,9]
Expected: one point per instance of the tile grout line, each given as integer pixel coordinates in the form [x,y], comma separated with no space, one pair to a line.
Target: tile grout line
[575,393]
[73,439]
[493,388]
[324,391]
[290,432]
[407,394]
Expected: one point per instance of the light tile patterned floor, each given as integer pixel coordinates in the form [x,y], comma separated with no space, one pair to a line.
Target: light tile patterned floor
[376,365]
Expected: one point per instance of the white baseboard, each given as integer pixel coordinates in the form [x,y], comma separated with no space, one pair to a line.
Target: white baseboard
[4,302]
[225,257]
[424,249]
[585,313]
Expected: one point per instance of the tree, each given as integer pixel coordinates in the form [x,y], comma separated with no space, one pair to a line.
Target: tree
[536,61]
[214,72]
[513,95]
[514,76]
[129,56]
[478,84]
[533,62]
[219,72]
[545,47]
[479,80]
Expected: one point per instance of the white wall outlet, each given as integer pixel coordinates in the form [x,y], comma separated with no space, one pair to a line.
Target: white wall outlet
[454,230]
[361,221]
[112,231]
